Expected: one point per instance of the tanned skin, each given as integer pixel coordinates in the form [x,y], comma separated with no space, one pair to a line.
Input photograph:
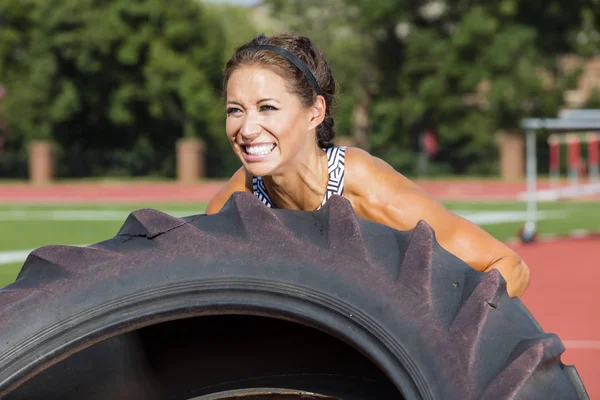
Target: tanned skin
[262,111]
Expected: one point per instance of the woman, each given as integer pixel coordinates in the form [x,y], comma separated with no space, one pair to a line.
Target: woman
[279,94]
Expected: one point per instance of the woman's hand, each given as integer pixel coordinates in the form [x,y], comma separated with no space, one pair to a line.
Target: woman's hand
[381,194]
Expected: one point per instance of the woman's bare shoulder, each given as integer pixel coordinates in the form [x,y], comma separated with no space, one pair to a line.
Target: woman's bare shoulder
[241,181]
[366,173]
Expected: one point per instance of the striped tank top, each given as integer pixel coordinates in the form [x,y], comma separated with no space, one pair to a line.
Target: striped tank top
[335,185]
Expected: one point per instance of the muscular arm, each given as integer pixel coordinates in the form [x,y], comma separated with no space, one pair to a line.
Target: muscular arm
[239,182]
[381,194]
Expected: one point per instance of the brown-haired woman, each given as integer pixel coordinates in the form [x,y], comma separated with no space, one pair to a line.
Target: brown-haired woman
[279,93]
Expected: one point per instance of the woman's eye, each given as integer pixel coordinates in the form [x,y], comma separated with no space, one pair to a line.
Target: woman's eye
[231,110]
[267,108]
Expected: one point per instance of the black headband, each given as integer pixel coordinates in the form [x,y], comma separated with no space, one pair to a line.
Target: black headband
[294,60]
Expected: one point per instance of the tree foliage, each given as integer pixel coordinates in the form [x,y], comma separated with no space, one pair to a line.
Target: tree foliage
[112,74]
[338,29]
[466,69]
[130,77]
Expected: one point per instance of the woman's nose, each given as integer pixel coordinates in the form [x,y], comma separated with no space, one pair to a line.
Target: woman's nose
[250,128]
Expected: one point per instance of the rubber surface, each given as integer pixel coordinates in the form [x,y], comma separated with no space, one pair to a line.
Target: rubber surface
[437,328]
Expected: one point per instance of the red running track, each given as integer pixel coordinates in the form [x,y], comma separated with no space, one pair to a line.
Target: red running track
[202,192]
[129,192]
[160,192]
[564,297]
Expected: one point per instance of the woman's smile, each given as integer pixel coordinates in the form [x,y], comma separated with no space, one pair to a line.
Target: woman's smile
[257,152]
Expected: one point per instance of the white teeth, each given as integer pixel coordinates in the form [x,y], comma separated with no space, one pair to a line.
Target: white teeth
[260,150]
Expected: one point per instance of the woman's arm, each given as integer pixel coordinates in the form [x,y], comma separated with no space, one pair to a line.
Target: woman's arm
[239,182]
[381,194]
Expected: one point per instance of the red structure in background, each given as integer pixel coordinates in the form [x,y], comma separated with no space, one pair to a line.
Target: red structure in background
[430,143]
[592,141]
[575,164]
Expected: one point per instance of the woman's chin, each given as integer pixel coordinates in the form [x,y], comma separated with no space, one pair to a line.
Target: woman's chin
[260,169]
[261,165]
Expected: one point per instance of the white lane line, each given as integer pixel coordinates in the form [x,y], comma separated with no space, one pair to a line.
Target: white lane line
[499,217]
[78,215]
[18,256]
[9,257]
[582,344]
[564,192]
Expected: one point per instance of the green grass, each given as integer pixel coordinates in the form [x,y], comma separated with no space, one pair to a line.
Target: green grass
[577,216]
[33,232]
[26,234]
[8,273]
[30,234]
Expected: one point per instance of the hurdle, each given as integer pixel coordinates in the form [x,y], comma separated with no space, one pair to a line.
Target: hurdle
[569,121]
[573,142]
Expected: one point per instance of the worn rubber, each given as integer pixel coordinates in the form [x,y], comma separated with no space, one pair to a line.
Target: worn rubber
[437,328]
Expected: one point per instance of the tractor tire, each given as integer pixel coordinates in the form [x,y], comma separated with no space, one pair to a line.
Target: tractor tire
[253,301]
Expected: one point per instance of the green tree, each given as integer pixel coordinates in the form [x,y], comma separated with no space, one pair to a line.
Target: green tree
[338,29]
[239,23]
[114,74]
[466,69]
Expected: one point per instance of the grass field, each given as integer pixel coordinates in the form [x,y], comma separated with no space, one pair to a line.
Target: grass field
[23,228]
[29,227]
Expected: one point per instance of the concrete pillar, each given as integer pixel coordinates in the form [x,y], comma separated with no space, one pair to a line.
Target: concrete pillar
[191,164]
[41,161]
[511,146]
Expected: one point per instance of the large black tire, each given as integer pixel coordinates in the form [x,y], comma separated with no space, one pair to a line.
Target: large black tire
[434,327]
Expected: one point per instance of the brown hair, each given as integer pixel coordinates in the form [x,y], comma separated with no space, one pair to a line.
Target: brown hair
[298,82]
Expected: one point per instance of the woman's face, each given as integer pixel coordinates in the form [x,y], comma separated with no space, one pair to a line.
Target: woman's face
[266,124]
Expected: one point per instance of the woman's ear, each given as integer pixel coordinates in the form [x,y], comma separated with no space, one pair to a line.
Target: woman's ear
[317,112]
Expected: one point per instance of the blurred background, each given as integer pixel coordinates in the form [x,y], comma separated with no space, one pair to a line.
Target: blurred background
[114,105]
